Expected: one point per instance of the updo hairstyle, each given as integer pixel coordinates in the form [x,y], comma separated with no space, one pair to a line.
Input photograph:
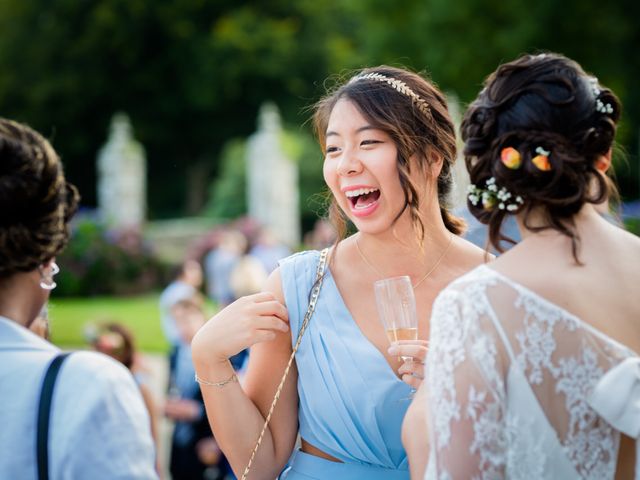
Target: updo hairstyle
[541,103]
[36,202]
[416,119]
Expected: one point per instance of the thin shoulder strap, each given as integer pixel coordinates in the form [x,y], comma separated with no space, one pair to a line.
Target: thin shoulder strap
[313,298]
[44,410]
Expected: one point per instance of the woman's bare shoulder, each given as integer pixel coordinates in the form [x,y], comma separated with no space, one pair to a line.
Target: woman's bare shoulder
[468,256]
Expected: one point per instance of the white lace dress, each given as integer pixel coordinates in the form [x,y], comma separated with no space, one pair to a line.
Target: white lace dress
[520,388]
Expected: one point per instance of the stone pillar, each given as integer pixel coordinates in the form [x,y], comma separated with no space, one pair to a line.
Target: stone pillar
[122,177]
[272,179]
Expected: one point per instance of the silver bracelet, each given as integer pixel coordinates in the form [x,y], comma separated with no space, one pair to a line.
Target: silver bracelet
[232,378]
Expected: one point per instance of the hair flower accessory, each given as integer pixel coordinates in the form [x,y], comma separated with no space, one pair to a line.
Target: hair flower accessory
[510,158]
[603,107]
[593,81]
[541,160]
[490,196]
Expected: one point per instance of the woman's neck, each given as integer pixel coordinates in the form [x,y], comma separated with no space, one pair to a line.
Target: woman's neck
[398,251]
[587,217]
[16,299]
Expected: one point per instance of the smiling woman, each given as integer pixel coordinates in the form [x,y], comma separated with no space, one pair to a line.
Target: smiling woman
[389,144]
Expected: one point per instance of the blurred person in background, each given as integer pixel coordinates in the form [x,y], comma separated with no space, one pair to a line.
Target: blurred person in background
[194,452]
[268,249]
[323,235]
[187,281]
[98,425]
[248,277]
[220,262]
[231,272]
[117,341]
[40,325]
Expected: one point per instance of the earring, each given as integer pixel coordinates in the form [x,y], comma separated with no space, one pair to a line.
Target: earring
[46,280]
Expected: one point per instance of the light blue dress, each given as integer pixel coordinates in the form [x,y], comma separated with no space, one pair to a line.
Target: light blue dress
[351,401]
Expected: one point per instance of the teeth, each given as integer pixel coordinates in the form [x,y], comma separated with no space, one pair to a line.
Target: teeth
[360,191]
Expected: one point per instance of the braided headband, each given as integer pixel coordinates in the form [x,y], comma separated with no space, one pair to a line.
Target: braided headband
[398,85]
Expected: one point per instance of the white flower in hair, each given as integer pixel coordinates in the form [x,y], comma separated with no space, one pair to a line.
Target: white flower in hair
[542,151]
[491,195]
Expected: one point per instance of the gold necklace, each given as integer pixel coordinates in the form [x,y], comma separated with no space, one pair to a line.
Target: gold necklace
[431,270]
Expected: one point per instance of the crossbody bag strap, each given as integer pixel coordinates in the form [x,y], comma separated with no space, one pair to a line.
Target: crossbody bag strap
[44,412]
[315,293]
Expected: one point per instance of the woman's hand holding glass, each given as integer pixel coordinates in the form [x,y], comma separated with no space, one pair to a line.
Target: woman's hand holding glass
[414,354]
[397,309]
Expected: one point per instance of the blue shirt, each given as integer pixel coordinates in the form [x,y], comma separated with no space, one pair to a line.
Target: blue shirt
[99,426]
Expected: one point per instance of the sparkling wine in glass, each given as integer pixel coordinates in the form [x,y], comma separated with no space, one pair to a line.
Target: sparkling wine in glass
[397,309]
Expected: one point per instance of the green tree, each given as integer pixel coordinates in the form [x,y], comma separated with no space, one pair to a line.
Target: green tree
[227,200]
[190,73]
[460,43]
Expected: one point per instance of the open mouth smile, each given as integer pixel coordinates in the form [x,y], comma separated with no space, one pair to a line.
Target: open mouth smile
[363,201]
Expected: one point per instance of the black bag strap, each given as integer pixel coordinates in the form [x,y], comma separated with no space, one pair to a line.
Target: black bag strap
[44,411]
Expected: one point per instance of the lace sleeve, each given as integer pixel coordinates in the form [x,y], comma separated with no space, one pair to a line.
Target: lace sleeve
[465,379]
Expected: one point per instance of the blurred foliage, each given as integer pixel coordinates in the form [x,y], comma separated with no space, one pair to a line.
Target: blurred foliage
[98,262]
[192,73]
[227,200]
[633,225]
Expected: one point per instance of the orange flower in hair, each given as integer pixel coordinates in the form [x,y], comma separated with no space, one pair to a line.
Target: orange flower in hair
[541,161]
[510,158]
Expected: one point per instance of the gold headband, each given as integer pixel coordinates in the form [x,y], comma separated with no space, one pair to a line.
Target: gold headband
[398,85]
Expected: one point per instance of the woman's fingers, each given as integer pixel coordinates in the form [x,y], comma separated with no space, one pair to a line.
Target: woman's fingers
[413,382]
[248,320]
[412,373]
[417,349]
[424,343]
[269,322]
[271,307]
[258,297]
[412,368]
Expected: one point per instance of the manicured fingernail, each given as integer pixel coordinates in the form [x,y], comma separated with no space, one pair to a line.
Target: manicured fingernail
[393,350]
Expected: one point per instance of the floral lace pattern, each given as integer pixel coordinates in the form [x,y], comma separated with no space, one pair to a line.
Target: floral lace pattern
[590,442]
[472,352]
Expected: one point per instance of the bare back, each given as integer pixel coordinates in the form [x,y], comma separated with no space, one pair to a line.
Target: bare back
[603,292]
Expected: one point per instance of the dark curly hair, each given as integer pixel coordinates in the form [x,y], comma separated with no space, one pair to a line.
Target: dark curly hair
[546,101]
[36,202]
[412,130]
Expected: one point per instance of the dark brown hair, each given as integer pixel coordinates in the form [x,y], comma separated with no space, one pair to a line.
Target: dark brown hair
[546,101]
[413,131]
[36,202]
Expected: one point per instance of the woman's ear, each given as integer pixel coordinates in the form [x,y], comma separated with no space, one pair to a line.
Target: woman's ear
[603,162]
[435,163]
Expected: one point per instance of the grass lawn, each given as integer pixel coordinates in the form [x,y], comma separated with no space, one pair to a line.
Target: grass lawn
[70,315]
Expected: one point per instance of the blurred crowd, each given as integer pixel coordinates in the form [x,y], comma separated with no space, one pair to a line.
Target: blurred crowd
[233,261]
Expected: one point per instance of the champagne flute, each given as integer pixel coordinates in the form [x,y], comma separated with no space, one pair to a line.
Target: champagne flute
[397,309]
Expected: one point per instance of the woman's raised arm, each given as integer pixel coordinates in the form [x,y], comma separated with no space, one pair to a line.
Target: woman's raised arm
[236,415]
